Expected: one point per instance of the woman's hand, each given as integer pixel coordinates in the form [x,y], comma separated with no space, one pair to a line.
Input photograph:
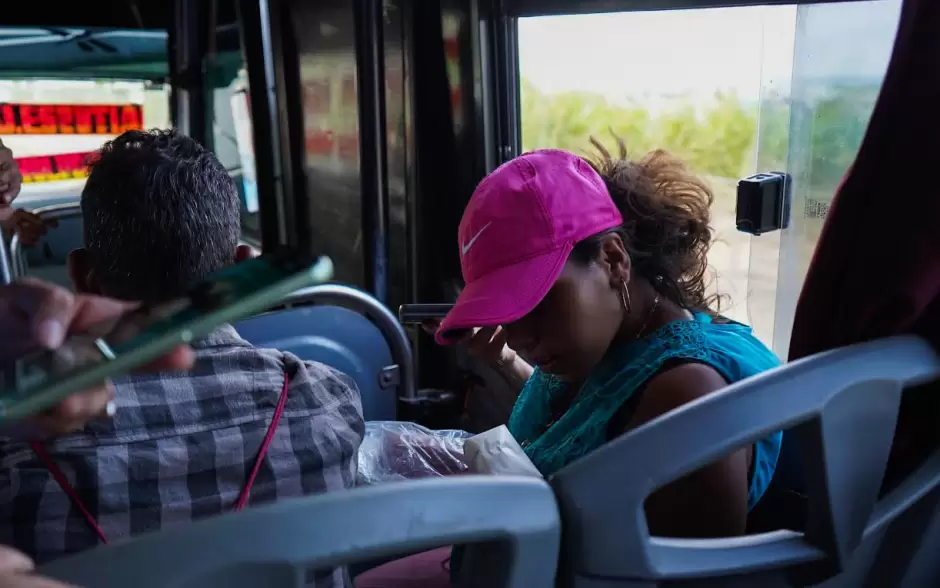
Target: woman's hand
[28,225]
[37,315]
[487,344]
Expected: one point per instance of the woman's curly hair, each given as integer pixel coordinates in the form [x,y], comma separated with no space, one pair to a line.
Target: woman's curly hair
[666,230]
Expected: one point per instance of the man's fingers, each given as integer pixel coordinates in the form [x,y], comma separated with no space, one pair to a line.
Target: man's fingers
[54,311]
[85,404]
[28,581]
[42,314]
[26,218]
[91,310]
[49,309]
[180,358]
[31,234]
[12,561]
[72,413]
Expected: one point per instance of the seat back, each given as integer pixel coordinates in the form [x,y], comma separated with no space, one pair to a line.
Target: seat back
[275,545]
[900,544]
[349,330]
[842,407]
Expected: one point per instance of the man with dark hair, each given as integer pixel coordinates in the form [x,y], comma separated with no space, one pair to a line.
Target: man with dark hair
[160,212]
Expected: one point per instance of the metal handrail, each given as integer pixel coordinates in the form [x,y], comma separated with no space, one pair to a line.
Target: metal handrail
[363,303]
[6,276]
[53,212]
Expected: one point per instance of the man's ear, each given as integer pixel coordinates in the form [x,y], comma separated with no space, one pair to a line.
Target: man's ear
[80,272]
[245,252]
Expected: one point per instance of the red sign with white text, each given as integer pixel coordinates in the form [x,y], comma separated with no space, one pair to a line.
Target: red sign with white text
[69,119]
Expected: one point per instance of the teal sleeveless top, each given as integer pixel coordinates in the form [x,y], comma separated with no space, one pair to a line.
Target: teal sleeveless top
[729,348]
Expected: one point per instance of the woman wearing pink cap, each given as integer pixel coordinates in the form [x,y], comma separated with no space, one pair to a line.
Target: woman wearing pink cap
[595,274]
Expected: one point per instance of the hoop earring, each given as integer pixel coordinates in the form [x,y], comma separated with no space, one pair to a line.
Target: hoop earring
[625,297]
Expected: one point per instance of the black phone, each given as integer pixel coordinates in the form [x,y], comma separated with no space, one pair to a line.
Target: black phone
[416,314]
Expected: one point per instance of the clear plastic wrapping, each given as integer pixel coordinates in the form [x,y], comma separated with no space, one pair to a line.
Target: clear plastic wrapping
[393,450]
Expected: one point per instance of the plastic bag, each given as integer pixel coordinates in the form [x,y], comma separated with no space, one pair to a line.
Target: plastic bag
[394,450]
[497,452]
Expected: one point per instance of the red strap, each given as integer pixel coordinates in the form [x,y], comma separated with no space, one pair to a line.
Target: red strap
[246,491]
[63,482]
[67,488]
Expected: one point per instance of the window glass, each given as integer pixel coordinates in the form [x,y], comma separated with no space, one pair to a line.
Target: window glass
[731,91]
[814,113]
[232,138]
[326,46]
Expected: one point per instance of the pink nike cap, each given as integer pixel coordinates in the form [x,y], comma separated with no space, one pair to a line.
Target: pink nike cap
[517,231]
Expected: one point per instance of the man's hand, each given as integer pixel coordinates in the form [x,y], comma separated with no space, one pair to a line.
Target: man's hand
[35,314]
[28,225]
[16,572]
[11,180]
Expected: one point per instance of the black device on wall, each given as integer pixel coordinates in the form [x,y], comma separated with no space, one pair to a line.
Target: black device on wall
[763,203]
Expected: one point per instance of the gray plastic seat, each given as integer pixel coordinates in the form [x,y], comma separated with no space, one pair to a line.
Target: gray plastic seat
[842,407]
[347,329]
[275,545]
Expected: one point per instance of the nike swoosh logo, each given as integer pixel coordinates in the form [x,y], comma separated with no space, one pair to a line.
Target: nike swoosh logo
[465,248]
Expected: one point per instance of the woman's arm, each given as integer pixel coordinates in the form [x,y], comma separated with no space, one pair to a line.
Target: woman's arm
[514,370]
[710,502]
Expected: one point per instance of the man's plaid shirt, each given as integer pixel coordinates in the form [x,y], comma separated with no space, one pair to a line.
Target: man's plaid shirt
[181,446]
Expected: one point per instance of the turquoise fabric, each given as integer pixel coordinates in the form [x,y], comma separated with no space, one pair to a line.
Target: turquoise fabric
[729,348]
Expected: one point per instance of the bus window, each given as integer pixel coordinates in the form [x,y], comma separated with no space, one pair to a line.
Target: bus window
[840,56]
[731,91]
[326,47]
[63,93]
[232,139]
[228,116]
